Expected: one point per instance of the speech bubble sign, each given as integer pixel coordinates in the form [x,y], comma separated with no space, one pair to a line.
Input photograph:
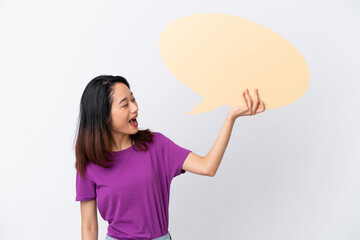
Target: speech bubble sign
[218,56]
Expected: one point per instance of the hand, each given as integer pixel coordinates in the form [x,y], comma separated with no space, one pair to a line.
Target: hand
[247,107]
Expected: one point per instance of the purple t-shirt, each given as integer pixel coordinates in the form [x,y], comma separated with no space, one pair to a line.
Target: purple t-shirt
[133,195]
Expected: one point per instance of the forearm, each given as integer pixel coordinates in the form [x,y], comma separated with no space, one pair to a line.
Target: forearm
[214,157]
[89,233]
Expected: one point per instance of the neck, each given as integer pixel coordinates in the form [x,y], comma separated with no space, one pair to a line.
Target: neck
[120,142]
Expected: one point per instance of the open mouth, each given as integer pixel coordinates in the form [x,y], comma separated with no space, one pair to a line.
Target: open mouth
[133,122]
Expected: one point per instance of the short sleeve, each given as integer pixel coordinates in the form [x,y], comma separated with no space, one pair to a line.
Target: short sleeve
[85,188]
[174,157]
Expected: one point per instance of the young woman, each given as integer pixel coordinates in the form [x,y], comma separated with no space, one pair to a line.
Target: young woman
[126,172]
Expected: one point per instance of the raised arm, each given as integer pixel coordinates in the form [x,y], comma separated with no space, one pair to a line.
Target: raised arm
[209,164]
[215,155]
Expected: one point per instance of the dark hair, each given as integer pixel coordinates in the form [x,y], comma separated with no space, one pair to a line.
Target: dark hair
[94,135]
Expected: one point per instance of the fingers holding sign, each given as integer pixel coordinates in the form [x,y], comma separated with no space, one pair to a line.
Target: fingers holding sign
[247,107]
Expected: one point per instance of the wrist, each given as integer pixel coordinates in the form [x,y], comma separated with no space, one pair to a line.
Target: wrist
[231,117]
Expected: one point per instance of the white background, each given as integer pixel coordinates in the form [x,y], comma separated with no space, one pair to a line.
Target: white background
[288,173]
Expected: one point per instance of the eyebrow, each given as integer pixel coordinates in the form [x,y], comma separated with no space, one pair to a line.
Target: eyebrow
[125,98]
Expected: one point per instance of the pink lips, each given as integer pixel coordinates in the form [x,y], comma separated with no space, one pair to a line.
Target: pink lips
[134,117]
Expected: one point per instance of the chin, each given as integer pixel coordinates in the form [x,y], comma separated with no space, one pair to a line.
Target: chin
[135,131]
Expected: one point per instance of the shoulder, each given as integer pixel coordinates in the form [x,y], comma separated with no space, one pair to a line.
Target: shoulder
[158,139]
[88,172]
[157,136]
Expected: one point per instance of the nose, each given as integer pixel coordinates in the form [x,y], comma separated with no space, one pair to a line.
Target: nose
[134,107]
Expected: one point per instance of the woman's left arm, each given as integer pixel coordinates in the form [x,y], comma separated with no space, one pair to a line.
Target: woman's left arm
[213,158]
[247,108]
[209,164]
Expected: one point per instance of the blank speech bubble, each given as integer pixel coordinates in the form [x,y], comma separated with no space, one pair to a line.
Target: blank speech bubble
[218,56]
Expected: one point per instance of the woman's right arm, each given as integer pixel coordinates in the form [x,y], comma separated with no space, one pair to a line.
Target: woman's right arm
[89,224]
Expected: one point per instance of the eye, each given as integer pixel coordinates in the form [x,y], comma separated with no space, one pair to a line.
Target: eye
[128,104]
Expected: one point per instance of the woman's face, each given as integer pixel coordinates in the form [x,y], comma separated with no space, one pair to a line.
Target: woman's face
[124,108]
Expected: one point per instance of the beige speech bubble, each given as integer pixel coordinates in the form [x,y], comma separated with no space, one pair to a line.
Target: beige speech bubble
[218,56]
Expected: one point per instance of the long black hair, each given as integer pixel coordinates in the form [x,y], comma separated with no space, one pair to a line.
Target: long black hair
[93,133]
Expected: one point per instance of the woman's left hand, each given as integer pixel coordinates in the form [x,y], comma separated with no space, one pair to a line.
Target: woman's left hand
[247,107]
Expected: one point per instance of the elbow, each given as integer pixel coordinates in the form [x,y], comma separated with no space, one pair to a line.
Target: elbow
[89,225]
[208,169]
[211,173]
[89,228]
[89,232]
